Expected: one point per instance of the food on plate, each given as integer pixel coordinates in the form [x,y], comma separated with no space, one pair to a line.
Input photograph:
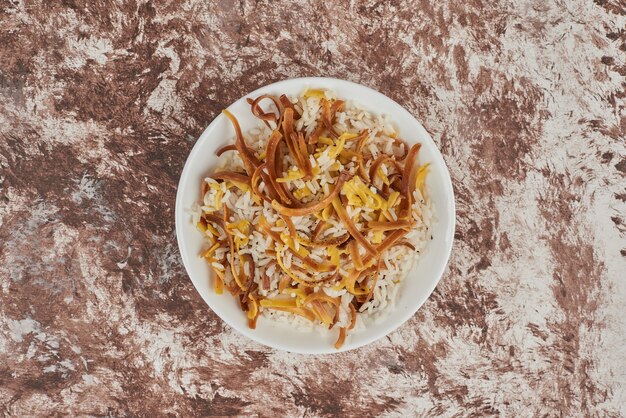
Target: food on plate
[315,215]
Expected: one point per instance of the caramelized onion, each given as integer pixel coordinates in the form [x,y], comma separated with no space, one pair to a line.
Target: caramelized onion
[317,267]
[351,227]
[406,176]
[321,225]
[395,180]
[252,268]
[300,145]
[233,290]
[287,126]
[292,228]
[341,339]
[322,297]
[408,167]
[305,282]
[266,117]
[371,291]
[315,135]
[352,316]
[328,115]
[335,319]
[326,119]
[249,160]
[363,134]
[377,163]
[388,226]
[254,183]
[361,140]
[352,279]
[230,147]
[322,311]
[232,176]
[353,247]
[284,100]
[287,305]
[265,227]
[252,322]
[215,219]
[270,156]
[405,149]
[283,283]
[231,244]
[387,243]
[327,242]
[406,244]
[265,279]
[315,206]
[362,172]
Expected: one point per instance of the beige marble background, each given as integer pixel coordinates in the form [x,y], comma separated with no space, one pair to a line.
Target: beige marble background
[101,101]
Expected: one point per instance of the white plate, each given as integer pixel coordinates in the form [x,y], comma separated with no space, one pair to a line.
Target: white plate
[417,285]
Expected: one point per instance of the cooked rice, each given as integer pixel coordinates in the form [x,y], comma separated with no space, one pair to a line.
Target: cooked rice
[244,206]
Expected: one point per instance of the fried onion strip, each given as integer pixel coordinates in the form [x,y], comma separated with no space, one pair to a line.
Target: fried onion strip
[364,136]
[389,226]
[287,305]
[406,244]
[284,100]
[352,316]
[322,311]
[265,227]
[251,269]
[266,117]
[321,225]
[222,150]
[376,165]
[328,114]
[290,225]
[405,149]
[316,177]
[249,159]
[315,135]
[265,279]
[317,267]
[315,206]
[270,156]
[351,227]
[386,244]
[353,247]
[300,145]
[232,176]
[341,339]
[287,126]
[231,244]
[325,242]
[371,291]
[406,177]
[322,297]
[254,183]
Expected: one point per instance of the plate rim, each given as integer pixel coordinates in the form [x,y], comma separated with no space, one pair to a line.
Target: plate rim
[449,239]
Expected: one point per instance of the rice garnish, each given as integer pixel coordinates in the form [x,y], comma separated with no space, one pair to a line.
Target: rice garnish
[316,215]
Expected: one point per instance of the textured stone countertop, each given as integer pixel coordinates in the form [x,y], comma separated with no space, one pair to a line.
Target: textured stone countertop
[101,102]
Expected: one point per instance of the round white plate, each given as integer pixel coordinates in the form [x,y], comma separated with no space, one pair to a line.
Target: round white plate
[420,280]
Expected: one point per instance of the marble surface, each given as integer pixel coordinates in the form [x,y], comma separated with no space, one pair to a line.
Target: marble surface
[101,101]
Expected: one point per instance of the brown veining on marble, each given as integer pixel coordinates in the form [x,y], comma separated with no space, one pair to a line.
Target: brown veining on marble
[101,102]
